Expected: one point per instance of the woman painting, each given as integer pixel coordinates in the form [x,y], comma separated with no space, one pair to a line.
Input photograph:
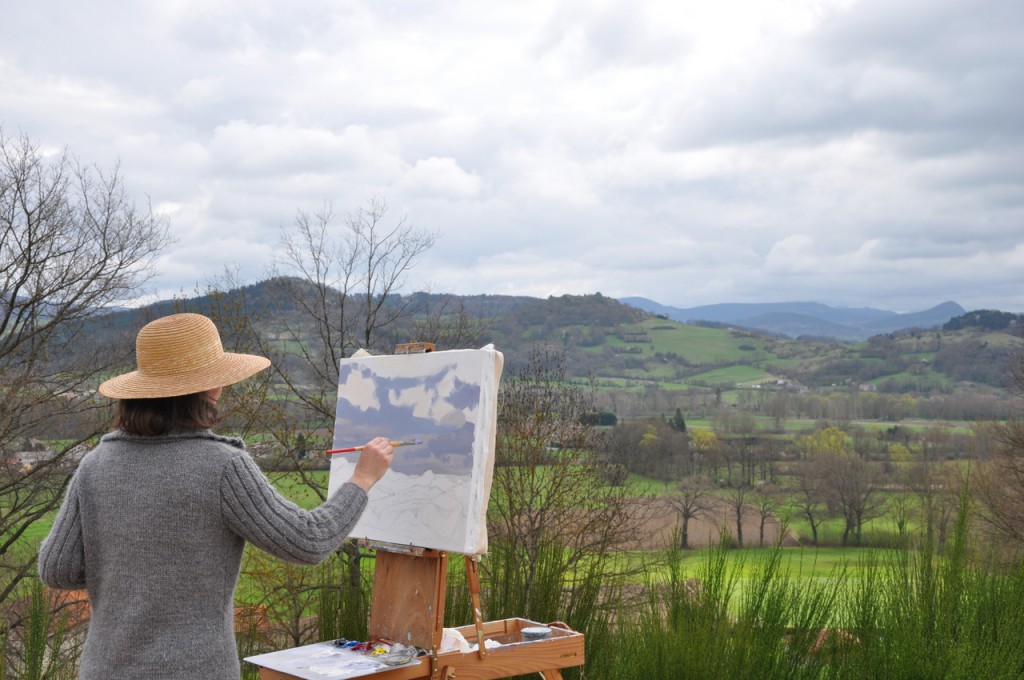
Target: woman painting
[155,518]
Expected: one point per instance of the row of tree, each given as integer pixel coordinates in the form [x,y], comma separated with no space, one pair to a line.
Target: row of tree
[782,403]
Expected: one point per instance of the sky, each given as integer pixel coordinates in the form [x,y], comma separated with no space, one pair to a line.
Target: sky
[849,152]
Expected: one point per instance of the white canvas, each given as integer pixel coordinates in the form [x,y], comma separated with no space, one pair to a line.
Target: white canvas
[435,494]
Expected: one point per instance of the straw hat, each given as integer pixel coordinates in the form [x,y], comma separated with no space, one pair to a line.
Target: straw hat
[181,354]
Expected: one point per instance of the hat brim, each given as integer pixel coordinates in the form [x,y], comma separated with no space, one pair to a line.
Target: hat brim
[229,369]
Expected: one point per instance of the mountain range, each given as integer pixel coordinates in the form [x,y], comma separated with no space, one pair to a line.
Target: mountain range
[804,319]
[797,320]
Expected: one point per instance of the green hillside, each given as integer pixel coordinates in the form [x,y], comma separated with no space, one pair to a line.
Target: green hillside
[627,350]
[612,340]
[641,364]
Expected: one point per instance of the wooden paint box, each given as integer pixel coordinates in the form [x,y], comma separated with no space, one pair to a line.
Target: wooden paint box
[564,649]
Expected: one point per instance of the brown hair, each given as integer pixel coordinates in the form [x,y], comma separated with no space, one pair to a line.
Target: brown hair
[154,417]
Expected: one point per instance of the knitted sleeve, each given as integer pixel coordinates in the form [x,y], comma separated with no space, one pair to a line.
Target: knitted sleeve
[62,554]
[255,511]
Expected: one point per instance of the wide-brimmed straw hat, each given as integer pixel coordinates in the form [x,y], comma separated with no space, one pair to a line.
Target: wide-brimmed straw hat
[181,354]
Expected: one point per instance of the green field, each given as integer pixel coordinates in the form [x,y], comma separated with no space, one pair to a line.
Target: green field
[733,375]
[811,563]
[699,345]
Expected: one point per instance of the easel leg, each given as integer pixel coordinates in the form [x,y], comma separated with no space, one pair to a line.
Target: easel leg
[473,579]
[551,675]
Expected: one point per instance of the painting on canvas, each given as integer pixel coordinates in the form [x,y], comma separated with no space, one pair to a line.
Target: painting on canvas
[435,494]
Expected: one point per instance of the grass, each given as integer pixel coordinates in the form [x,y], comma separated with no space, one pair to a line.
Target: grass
[732,375]
[291,486]
[645,486]
[697,344]
[926,380]
[909,613]
[810,563]
[39,529]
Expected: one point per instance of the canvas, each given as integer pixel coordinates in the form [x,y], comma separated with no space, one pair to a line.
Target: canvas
[435,494]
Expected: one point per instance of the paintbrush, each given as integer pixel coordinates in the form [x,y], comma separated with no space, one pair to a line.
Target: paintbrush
[350,449]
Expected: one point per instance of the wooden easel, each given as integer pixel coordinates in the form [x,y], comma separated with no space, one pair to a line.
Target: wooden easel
[409,588]
[409,591]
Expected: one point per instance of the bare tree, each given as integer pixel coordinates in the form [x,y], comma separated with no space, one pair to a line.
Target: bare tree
[778,409]
[72,243]
[736,500]
[337,284]
[445,321]
[850,486]
[347,283]
[766,503]
[245,407]
[999,484]
[810,498]
[939,490]
[550,504]
[691,501]
[845,482]
[335,289]
[655,448]
[998,480]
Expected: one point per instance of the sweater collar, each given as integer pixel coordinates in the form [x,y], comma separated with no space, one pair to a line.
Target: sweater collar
[173,435]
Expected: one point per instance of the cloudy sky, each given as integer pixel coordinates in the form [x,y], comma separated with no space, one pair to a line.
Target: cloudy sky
[851,152]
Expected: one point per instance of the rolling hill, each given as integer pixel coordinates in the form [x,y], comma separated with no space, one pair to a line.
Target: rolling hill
[805,319]
[621,345]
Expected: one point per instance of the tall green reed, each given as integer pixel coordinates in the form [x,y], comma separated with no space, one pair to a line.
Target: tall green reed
[40,648]
[937,612]
[949,613]
[343,606]
[713,624]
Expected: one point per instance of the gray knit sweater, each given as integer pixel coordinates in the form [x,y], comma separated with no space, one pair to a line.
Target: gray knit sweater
[154,528]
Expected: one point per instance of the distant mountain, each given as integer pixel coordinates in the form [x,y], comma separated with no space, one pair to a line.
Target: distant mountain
[929,318]
[522,318]
[804,319]
[794,325]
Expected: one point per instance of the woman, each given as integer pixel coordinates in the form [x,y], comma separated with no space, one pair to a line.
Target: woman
[156,516]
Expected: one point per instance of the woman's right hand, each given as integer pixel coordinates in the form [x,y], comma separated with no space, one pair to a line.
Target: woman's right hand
[374,461]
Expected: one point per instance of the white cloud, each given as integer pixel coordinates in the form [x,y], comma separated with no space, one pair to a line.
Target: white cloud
[283,149]
[851,151]
[440,177]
